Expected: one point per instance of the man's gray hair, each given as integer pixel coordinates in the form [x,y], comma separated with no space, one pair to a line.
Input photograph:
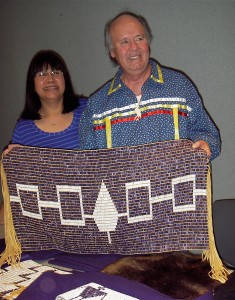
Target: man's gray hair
[141,19]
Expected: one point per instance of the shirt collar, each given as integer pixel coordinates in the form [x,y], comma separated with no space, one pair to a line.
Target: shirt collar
[156,76]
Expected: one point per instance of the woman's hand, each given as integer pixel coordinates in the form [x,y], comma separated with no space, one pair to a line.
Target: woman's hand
[10,147]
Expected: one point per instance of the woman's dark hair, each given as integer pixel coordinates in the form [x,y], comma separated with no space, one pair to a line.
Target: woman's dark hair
[39,62]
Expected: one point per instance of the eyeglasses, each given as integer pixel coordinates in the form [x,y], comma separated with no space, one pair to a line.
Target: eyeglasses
[44,75]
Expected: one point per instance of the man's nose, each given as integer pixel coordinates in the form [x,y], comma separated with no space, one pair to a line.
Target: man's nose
[133,44]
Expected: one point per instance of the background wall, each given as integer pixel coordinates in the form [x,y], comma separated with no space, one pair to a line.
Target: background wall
[196,36]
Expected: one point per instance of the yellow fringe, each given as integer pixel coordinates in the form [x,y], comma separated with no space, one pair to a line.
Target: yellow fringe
[12,253]
[218,271]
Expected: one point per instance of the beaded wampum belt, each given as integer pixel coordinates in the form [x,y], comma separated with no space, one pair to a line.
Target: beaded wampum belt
[142,199]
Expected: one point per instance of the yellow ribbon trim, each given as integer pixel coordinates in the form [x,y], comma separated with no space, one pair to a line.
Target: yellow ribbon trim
[160,77]
[176,122]
[12,253]
[111,89]
[108,132]
[218,271]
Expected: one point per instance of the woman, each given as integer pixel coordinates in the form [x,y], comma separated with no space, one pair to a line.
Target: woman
[52,111]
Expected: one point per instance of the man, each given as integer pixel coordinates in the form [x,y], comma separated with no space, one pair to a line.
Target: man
[144,102]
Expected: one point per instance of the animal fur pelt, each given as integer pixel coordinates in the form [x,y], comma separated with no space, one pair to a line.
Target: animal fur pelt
[181,275]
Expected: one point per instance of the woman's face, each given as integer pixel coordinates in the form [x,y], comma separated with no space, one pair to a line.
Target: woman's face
[49,85]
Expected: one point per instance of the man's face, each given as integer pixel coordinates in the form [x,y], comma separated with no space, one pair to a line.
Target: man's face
[130,45]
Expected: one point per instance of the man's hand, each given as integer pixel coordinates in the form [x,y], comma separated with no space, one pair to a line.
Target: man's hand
[204,146]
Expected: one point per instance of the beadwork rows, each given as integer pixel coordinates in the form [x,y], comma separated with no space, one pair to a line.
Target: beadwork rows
[127,200]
